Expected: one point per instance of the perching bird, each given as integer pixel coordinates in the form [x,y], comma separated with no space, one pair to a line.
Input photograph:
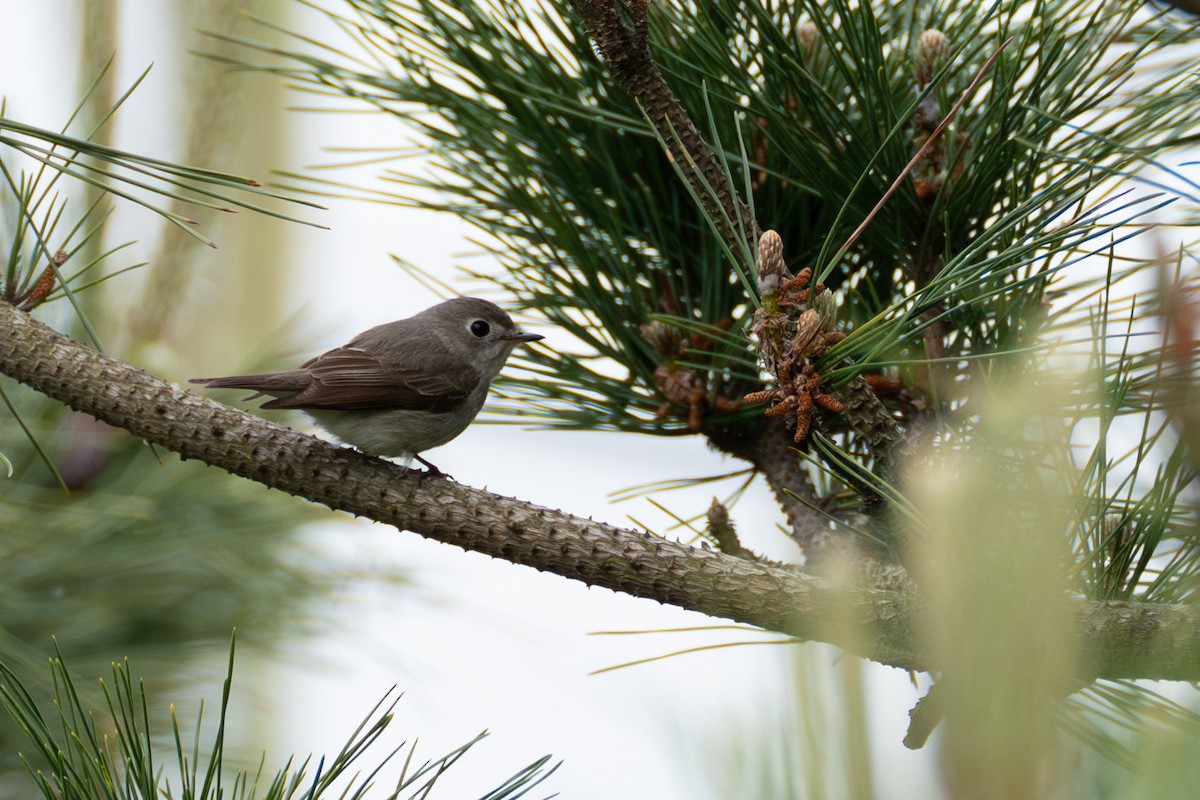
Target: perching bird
[401,388]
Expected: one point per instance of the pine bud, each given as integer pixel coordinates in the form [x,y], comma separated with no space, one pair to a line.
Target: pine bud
[666,340]
[770,263]
[807,34]
[826,306]
[932,48]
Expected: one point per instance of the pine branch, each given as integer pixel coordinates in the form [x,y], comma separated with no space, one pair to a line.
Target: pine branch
[1117,640]
[624,46]
[619,29]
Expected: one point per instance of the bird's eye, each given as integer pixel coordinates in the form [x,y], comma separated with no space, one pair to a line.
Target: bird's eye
[480,328]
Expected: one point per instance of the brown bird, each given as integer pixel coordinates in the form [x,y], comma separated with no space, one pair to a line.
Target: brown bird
[401,388]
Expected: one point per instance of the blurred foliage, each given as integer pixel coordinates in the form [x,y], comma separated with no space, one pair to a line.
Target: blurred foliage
[138,179]
[108,544]
[139,552]
[810,742]
[90,485]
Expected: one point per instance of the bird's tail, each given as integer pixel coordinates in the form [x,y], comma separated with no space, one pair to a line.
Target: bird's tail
[271,383]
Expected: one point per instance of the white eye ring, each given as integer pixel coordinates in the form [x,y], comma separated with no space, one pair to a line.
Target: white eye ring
[479,328]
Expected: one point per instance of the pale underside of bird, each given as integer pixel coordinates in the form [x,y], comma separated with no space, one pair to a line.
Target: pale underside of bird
[401,388]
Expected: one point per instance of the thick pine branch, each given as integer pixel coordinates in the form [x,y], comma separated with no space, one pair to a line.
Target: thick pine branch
[1117,640]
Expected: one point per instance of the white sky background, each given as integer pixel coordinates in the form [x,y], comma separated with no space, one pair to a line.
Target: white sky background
[476,643]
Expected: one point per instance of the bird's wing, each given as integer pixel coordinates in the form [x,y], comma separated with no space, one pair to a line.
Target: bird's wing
[352,379]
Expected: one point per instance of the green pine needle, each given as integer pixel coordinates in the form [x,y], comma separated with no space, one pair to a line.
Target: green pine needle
[107,751]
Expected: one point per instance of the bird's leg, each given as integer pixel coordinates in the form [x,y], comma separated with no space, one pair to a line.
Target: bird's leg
[431,470]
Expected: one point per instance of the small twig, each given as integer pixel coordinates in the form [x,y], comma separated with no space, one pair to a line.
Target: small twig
[923,718]
[722,531]
[929,142]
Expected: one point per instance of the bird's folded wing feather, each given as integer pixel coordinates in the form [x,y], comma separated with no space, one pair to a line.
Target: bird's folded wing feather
[350,379]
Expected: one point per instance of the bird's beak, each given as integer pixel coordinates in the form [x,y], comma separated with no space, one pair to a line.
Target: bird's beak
[521,336]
